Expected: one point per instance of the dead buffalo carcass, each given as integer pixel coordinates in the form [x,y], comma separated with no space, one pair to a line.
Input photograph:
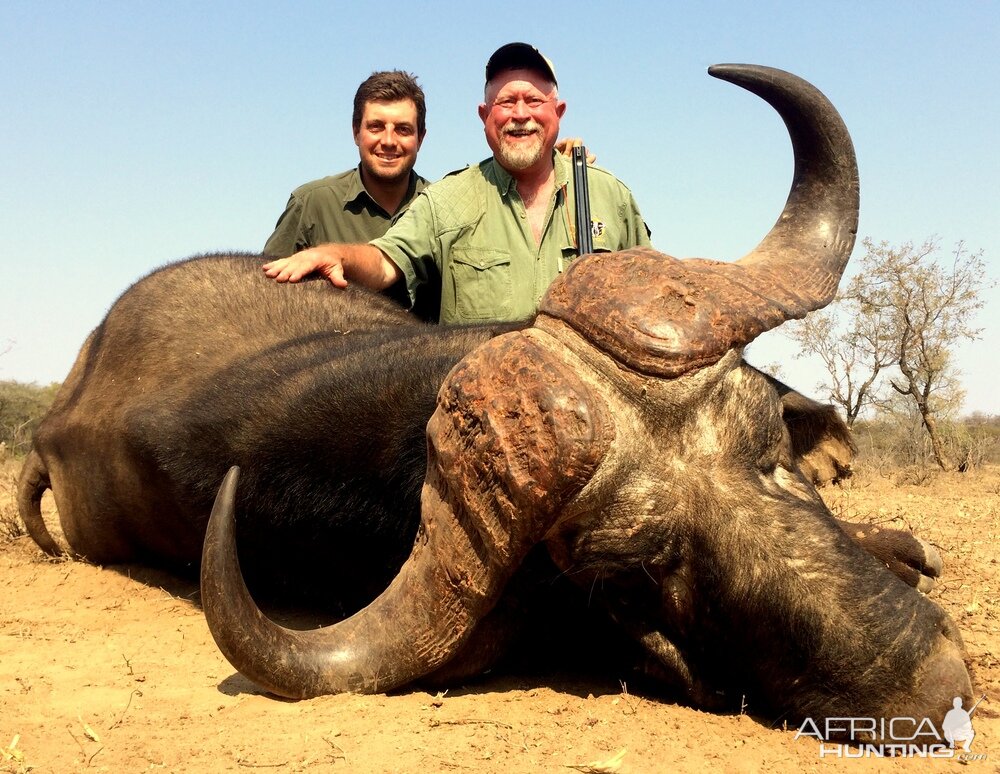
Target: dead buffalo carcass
[619,433]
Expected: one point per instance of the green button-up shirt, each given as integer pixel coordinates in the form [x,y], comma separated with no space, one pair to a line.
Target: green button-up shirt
[470,233]
[333,209]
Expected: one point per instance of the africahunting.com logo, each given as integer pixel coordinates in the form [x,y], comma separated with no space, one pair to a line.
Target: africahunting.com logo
[907,737]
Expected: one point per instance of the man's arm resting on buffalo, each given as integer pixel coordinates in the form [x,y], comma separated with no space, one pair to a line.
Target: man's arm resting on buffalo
[341,264]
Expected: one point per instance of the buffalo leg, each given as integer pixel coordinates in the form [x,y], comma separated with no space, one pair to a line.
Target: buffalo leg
[915,561]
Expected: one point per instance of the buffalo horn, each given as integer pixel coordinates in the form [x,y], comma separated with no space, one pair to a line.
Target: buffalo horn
[508,446]
[666,317]
[414,626]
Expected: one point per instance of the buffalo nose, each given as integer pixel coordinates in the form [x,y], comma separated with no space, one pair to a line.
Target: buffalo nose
[942,678]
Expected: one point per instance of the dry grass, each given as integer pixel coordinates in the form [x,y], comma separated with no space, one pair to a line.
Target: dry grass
[95,654]
[11,526]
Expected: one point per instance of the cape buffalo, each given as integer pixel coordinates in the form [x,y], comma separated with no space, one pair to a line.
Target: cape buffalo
[619,435]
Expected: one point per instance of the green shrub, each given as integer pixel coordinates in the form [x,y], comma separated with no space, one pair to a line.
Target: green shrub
[900,442]
[21,407]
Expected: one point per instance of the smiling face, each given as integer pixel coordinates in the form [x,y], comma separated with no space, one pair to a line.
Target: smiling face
[388,140]
[521,119]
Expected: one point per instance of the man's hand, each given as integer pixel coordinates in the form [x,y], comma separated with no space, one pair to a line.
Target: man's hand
[324,260]
[565,147]
[364,264]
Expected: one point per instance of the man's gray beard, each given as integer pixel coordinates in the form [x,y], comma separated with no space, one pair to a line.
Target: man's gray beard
[518,157]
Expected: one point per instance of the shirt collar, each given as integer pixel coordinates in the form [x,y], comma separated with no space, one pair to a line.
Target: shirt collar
[504,181]
[357,190]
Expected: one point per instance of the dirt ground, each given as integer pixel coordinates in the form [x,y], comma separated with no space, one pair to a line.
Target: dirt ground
[113,669]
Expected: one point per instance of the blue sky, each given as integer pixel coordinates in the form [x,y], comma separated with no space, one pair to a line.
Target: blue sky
[135,133]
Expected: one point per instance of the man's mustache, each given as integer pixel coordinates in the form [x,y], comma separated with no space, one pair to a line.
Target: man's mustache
[521,126]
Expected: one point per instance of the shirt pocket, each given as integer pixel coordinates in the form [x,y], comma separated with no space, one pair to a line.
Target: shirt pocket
[482,283]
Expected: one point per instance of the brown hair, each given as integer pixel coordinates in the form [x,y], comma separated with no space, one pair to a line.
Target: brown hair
[390,86]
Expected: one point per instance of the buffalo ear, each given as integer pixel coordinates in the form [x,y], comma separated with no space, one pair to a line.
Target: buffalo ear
[822,446]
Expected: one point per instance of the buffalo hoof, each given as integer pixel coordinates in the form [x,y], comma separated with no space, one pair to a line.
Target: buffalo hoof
[915,561]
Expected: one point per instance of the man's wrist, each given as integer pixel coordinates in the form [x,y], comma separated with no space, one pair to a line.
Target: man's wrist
[367,265]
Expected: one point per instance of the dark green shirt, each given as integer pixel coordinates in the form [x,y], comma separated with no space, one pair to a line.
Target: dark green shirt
[468,234]
[333,209]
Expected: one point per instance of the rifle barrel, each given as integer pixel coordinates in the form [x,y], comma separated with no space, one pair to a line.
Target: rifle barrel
[581,194]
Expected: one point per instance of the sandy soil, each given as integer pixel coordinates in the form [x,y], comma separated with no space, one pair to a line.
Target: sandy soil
[113,669]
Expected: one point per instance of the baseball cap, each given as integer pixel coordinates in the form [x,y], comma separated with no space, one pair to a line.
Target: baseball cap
[516,56]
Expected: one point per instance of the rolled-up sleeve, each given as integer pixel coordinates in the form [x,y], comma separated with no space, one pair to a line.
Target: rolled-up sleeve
[411,243]
[640,231]
[286,237]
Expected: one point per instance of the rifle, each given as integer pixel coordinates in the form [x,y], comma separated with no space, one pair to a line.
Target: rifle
[584,237]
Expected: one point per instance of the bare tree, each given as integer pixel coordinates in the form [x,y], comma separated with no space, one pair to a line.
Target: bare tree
[895,327]
[921,307]
[854,351]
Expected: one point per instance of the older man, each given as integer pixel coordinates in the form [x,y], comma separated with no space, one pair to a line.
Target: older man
[491,237]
